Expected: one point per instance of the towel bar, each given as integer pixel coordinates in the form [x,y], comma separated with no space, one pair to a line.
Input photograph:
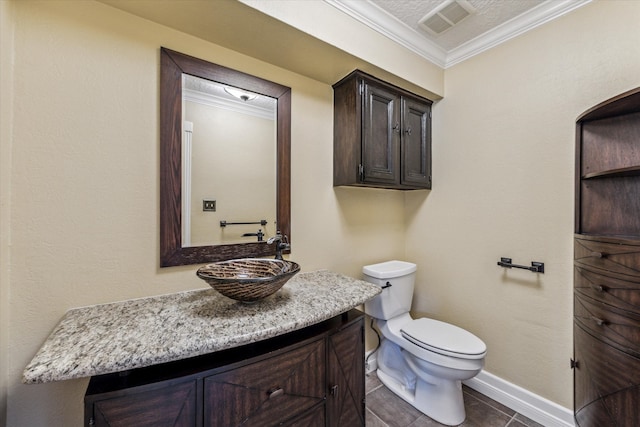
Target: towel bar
[536,267]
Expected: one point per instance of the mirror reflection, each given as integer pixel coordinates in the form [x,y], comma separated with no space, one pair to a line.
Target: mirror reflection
[220,181]
[229,164]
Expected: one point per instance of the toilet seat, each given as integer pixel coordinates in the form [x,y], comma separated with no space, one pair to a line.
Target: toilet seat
[443,338]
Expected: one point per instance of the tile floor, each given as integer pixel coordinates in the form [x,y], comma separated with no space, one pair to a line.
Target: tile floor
[385,409]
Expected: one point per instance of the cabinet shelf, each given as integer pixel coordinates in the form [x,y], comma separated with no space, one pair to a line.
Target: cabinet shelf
[614,173]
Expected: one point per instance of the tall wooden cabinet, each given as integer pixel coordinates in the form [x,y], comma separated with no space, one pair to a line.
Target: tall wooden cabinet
[607,264]
[382,135]
[313,377]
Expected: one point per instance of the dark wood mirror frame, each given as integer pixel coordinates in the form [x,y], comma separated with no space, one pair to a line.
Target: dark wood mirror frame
[172,66]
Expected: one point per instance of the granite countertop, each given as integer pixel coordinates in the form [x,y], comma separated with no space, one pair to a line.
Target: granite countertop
[132,334]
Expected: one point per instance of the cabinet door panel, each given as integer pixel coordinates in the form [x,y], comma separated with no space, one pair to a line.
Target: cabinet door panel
[381,136]
[267,392]
[416,144]
[607,383]
[170,406]
[314,418]
[345,400]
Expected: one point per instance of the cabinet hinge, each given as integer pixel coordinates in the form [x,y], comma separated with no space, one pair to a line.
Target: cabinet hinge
[361,88]
[429,114]
[574,364]
[92,422]
[361,171]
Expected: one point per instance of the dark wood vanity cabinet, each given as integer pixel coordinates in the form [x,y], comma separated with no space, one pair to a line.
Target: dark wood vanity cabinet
[311,377]
[382,135]
[607,264]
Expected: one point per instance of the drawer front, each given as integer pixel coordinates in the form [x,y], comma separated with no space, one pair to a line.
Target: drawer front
[313,418]
[616,327]
[267,392]
[623,294]
[606,383]
[621,260]
[166,404]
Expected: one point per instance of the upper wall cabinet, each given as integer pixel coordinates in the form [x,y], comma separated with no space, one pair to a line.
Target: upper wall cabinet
[382,135]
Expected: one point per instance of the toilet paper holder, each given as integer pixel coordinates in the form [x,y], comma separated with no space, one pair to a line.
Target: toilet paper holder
[536,267]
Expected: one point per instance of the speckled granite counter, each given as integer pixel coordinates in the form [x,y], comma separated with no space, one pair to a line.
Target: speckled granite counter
[136,333]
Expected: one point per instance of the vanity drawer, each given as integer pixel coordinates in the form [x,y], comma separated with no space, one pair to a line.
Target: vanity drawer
[616,327]
[606,383]
[267,392]
[616,257]
[623,294]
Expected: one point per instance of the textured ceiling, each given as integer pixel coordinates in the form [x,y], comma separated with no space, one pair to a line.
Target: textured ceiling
[488,15]
[493,22]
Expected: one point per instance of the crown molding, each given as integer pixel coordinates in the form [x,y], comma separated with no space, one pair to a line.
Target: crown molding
[389,26]
[382,22]
[539,15]
[227,104]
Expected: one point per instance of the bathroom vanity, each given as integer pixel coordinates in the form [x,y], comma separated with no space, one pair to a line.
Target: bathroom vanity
[197,358]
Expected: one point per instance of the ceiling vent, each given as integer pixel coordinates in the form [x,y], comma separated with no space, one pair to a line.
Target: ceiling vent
[445,16]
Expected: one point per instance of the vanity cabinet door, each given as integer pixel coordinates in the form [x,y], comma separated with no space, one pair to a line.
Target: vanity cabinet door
[268,392]
[345,382]
[162,404]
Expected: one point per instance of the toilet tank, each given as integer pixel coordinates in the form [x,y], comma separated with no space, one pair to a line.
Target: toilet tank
[395,299]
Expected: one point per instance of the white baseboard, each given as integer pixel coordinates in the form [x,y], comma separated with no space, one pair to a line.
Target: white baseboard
[532,406]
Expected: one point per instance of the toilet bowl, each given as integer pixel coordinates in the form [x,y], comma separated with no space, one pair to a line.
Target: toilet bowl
[421,360]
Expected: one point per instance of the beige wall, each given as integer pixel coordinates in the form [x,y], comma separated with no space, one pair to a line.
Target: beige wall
[233,162]
[79,184]
[84,181]
[503,186]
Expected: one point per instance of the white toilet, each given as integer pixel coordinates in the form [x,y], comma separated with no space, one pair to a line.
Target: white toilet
[421,360]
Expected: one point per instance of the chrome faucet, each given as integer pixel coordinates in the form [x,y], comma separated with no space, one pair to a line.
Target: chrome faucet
[282,244]
[259,235]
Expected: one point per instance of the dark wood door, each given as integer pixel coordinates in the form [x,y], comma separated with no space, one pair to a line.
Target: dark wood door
[607,383]
[416,143]
[268,392]
[345,400]
[380,136]
[169,405]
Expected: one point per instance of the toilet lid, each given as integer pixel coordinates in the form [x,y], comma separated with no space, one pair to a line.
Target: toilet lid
[444,338]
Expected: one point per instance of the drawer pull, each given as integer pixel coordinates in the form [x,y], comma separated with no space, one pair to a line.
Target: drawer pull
[600,322]
[598,255]
[600,288]
[275,392]
[334,390]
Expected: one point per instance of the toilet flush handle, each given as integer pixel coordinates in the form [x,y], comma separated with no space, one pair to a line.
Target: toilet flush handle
[387,285]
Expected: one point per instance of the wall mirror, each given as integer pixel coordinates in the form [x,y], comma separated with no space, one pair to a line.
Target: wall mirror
[224,185]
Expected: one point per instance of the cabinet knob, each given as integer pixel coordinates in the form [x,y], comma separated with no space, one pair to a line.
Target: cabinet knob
[334,390]
[408,130]
[275,392]
[600,288]
[600,322]
[598,254]
[396,127]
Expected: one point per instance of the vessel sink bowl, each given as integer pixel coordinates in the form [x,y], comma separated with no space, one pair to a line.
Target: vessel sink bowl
[248,279]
